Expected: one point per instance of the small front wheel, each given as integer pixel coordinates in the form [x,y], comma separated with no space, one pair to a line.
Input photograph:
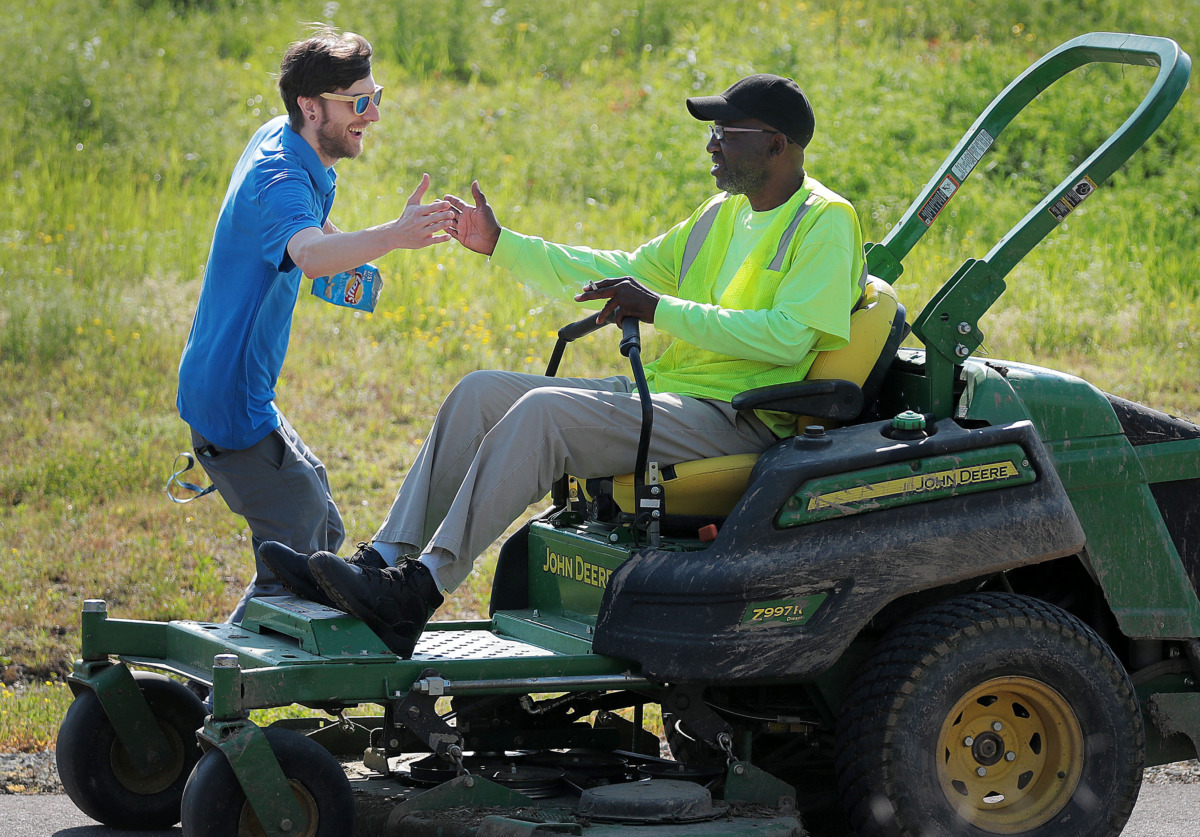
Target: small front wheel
[98,774]
[215,805]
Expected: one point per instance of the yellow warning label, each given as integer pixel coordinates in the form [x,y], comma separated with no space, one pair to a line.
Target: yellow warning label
[1074,196]
[916,484]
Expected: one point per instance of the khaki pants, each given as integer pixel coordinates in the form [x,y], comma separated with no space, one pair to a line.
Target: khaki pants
[281,489]
[501,439]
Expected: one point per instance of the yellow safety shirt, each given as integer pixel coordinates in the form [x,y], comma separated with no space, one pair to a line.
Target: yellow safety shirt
[748,297]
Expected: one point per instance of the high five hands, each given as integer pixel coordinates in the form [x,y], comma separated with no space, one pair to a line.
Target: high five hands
[477,229]
[474,227]
[420,225]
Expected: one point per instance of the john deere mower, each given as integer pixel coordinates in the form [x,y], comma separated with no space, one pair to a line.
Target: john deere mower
[962,601]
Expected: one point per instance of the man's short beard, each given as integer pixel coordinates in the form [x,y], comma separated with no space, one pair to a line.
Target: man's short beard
[333,146]
[747,180]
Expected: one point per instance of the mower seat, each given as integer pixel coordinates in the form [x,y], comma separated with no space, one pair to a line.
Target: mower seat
[712,487]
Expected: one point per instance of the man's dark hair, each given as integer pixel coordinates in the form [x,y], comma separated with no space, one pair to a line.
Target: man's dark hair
[327,60]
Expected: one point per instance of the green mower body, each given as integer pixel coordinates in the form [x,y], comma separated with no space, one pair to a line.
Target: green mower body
[971,609]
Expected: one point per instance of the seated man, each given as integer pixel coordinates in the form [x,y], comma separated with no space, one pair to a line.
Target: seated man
[750,288]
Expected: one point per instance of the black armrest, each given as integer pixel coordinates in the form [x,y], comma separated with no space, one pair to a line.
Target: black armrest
[834,399]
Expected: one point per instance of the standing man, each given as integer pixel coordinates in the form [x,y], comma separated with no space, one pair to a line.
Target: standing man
[273,230]
[750,287]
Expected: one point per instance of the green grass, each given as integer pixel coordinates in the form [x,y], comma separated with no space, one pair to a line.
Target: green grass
[126,116]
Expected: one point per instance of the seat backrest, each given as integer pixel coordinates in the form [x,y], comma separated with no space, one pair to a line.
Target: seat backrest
[711,487]
[872,323]
[877,327]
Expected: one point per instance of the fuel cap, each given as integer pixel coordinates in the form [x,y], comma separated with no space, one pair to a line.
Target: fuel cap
[909,420]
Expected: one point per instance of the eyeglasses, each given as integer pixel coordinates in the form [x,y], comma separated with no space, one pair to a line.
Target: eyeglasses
[360,101]
[718,132]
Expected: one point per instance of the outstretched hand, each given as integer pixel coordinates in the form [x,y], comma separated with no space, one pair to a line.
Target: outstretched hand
[420,225]
[626,298]
[474,227]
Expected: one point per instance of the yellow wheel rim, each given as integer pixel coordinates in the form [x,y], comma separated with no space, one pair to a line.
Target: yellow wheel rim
[1010,754]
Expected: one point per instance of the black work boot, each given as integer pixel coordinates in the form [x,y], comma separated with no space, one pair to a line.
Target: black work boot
[395,602]
[291,568]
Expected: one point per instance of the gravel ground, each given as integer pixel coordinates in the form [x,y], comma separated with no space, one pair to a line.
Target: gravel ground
[36,773]
[29,773]
[1180,772]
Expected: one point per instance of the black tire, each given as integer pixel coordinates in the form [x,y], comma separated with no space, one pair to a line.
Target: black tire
[214,804]
[1006,684]
[95,768]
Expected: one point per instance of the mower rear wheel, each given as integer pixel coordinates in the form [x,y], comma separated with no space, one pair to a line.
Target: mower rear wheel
[98,774]
[991,714]
[215,805]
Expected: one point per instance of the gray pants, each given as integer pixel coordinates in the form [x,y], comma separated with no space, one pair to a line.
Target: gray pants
[501,439]
[280,487]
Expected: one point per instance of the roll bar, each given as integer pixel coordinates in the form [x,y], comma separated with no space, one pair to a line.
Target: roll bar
[948,324]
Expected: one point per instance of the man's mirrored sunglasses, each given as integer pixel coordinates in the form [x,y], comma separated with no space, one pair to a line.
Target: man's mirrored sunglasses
[360,101]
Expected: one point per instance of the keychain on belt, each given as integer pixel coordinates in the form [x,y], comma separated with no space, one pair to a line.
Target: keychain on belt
[175,484]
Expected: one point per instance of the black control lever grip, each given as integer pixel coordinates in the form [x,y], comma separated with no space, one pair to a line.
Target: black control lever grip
[579,328]
[631,336]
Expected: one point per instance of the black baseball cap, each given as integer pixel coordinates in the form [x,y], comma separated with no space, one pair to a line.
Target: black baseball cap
[776,100]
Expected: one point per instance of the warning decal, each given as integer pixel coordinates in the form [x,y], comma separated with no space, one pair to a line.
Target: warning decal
[963,166]
[938,200]
[1065,205]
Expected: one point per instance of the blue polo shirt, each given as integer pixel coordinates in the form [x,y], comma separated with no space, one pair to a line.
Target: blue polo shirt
[243,320]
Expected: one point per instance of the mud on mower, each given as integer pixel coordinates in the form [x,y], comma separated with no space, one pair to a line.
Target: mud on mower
[962,601]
